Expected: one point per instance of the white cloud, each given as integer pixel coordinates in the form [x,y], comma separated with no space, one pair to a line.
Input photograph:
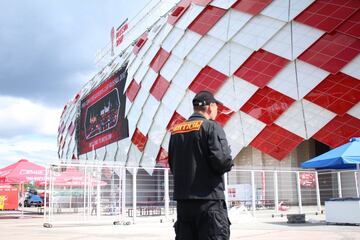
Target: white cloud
[22,116]
[35,148]
[27,130]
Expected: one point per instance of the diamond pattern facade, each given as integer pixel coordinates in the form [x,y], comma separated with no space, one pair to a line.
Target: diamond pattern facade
[286,71]
[260,68]
[332,52]
[267,105]
[251,6]
[337,93]
[327,15]
[276,141]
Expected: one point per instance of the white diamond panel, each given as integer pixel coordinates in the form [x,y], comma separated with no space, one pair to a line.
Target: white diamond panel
[316,117]
[290,46]
[229,25]
[353,68]
[148,160]
[258,31]
[250,126]
[189,16]
[185,108]
[187,42]
[186,74]
[173,96]
[308,78]
[230,58]
[225,4]
[134,156]
[171,66]
[111,150]
[205,50]
[172,39]
[123,149]
[235,92]
[279,9]
[234,134]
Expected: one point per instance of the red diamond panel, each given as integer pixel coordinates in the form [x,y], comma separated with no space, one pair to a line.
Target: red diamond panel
[62,142]
[175,119]
[140,42]
[224,114]
[76,97]
[139,140]
[71,128]
[251,6]
[276,141]
[159,87]
[338,93]
[132,90]
[332,52]
[159,60]
[207,79]
[261,67]
[178,11]
[162,158]
[201,2]
[328,14]
[351,26]
[339,130]
[64,110]
[206,20]
[267,105]
[62,127]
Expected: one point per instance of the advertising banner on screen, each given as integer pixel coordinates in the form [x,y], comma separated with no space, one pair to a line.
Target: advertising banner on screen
[102,114]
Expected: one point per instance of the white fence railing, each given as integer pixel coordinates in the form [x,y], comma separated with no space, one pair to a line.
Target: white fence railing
[85,193]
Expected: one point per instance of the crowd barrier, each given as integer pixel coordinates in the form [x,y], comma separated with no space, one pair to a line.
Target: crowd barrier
[103,193]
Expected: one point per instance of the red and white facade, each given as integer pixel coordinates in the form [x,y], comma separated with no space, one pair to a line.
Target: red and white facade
[286,71]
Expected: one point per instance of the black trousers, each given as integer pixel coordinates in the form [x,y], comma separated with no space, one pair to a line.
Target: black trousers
[202,220]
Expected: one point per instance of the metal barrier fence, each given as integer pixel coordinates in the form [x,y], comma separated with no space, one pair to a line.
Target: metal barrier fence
[106,193]
[85,193]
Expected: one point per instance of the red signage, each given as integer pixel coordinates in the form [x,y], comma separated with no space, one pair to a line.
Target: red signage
[8,197]
[307,180]
[120,33]
[102,117]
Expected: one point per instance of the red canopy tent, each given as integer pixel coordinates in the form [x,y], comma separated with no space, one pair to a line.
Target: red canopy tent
[24,171]
[21,172]
[71,177]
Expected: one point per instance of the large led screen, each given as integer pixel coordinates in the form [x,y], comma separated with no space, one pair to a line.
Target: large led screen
[102,119]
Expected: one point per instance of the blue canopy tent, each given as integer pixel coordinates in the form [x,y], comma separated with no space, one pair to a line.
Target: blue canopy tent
[346,156]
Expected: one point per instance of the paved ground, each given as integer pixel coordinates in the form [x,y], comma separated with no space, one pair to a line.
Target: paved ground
[244,227]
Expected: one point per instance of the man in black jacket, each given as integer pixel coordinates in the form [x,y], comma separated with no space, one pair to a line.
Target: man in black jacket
[199,156]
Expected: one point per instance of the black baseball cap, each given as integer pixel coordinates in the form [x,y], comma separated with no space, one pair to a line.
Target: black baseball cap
[204,98]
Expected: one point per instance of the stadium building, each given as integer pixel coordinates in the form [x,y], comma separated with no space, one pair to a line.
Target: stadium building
[288,73]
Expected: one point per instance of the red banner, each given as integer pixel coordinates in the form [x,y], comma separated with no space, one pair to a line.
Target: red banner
[102,117]
[8,197]
[307,180]
[120,33]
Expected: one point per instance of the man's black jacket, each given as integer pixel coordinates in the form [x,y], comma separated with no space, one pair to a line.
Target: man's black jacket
[199,155]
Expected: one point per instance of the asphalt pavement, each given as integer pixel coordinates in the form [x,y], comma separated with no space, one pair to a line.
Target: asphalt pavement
[244,227]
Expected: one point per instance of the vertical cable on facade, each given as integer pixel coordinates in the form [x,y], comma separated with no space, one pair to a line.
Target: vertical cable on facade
[296,74]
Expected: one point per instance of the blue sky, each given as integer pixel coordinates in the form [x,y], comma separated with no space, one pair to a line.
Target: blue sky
[47,53]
